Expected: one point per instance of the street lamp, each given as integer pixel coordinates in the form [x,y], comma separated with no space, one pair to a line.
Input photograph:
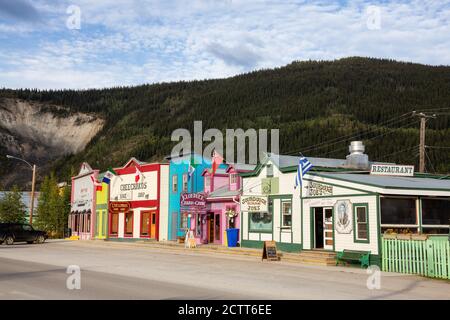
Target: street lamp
[33,182]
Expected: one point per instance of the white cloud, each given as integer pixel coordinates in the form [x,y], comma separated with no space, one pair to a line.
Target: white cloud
[133,42]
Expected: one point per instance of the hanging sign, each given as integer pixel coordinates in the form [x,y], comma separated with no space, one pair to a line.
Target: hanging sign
[392,170]
[119,206]
[270,251]
[254,204]
[316,189]
[193,200]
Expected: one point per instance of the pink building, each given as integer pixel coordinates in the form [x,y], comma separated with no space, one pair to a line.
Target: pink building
[222,203]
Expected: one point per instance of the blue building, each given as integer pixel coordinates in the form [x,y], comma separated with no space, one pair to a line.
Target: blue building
[179,183]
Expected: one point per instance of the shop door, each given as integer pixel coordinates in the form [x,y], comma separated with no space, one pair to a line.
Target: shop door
[145,224]
[328,228]
[210,228]
[153,225]
[318,228]
[98,221]
[174,226]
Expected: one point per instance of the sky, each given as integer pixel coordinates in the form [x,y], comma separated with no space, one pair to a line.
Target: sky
[79,44]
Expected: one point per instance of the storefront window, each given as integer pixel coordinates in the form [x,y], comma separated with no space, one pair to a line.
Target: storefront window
[174,183]
[269,171]
[129,223]
[361,220]
[435,212]
[114,223]
[401,211]
[217,227]
[184,221]
[261,221]
[286,209]
[233,178]
[88,222]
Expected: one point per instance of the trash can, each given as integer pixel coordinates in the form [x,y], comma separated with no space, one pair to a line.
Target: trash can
[232,237]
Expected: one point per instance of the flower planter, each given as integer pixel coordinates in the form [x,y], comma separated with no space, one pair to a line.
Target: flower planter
[404,236]
[390,236]
[421,237]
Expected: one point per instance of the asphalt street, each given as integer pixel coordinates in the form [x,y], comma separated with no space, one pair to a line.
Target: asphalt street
[127,271]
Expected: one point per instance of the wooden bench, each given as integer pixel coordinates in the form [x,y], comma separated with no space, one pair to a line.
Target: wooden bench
[353,256]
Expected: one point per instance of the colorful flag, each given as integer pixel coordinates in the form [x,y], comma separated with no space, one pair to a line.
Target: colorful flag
[303,167]
[138,175]
[97,185]
[109,175]
[217,160]
[191,169]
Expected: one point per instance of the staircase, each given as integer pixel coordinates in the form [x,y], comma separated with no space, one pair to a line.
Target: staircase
[313,257]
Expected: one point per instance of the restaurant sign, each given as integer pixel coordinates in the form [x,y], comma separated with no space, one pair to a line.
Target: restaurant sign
[119,206]
[254,204]
[392,170]
[316,189]
[193,200]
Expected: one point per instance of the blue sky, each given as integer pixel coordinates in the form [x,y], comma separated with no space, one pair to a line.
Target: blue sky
[130,42]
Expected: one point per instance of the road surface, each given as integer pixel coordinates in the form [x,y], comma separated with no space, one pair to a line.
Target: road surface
[130,271]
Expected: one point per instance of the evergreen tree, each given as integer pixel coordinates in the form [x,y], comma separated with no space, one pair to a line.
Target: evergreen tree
[53,207]
[12,208]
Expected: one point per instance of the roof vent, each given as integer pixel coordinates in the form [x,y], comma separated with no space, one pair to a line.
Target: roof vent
[357,159]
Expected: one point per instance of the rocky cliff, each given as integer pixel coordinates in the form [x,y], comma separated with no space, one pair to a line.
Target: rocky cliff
[41,133]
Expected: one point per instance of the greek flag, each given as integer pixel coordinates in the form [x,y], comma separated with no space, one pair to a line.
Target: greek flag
[303,167]
[109,175]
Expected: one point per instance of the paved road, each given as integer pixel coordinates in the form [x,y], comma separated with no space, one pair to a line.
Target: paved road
[127,271]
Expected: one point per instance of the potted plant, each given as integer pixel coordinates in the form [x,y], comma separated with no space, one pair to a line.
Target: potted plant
[419,236]
[390,234]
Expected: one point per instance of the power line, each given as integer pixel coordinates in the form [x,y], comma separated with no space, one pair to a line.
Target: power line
[337,140]
[378,136]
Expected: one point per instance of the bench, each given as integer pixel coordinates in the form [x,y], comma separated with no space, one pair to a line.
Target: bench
[353,256]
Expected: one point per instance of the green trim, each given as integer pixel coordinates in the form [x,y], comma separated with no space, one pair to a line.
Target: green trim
[341,196]
[375,185]
[379,249]
[281,246]
[286,200]
[260,231]
[340,186]
[313,229]
[355,206]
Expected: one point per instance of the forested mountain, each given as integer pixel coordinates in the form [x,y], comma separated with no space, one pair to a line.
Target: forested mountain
[310,102]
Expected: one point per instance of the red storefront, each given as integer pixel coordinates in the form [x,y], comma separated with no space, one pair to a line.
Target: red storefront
[138,201]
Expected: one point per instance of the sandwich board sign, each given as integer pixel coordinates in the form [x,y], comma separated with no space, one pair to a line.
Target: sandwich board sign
[270,251]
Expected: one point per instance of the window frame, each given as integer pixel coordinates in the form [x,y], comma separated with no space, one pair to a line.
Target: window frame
[283,202]
[185,183]
[356,239]
[175,183]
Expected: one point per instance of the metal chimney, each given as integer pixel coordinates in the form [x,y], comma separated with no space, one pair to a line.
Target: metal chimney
[357,159]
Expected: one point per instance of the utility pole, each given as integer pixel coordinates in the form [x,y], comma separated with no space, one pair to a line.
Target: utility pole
[423,119]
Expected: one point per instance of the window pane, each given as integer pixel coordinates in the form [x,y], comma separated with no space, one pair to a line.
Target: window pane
[362,231]
[398,211]
[435,211]
[435,230]
[287,220]
[361,214]
[260,221]
[174,183]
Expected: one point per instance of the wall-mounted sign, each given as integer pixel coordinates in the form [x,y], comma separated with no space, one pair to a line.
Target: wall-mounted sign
[254,204]
[392,170]
[125,188]
[193,200]
[315,189]
[343,216]
[119,206]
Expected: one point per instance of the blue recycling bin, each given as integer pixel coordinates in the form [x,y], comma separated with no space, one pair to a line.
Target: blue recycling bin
[232,237]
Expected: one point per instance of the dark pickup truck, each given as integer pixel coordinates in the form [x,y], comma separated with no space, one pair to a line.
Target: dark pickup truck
[20,232]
